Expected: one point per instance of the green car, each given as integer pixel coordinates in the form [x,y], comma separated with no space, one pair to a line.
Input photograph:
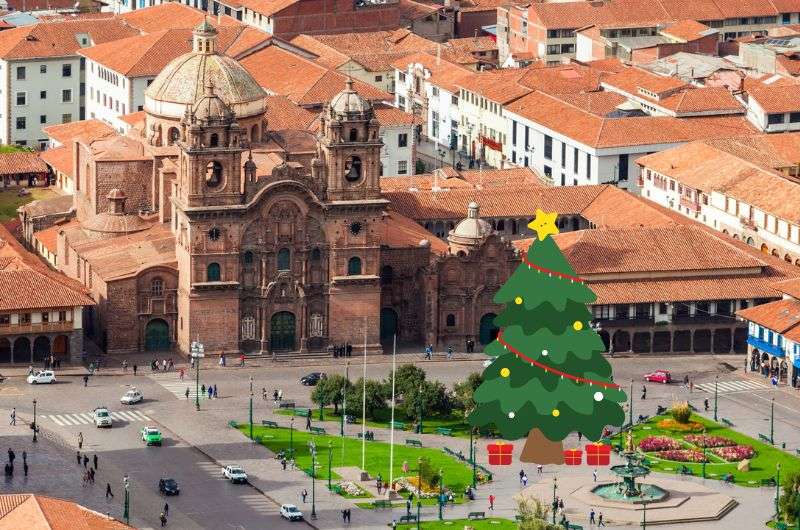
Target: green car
[151,436]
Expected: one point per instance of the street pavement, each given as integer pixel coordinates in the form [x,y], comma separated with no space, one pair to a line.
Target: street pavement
[198,443]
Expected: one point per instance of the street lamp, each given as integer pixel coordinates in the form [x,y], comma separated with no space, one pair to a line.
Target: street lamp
[644,515]
[630,407]
[555,499]
[704,453]
[441,493]
[127,512]
[198,350]
[330,456]
[472,456]
[313,450]
[344,399]
[778,491]
[419,490]
[33,425]
[420,409]
[291,438]
[716,380]
[251,407]
[772,422]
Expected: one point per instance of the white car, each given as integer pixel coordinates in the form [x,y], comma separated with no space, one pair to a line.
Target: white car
[102,418]
[290,512]
[131,396]
[42,377]
[235,474]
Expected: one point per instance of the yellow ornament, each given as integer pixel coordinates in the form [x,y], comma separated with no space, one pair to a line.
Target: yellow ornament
[505,372]
[556,413]
[577,325]
[544,224]
[518,300]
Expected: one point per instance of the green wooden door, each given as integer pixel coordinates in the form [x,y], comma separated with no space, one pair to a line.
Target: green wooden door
[488,331]
[282,332]
[156,335]
[388,324]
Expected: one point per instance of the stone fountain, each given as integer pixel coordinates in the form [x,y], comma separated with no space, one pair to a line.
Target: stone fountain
[627,490]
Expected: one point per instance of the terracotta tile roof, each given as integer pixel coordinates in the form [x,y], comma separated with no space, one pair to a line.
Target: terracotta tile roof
[776,99]
[631,79]
[767,192]
[60,204]
[41,512]
[85,130]
[411,10]
[474,44]
[58,39]
[597,103]
[282,113]
[389,116]
[302,81]
[134,118]
[327,55]
[598,132]
[686,30]
[450,178]
[33,285]
[563,79]
[21,162]
[790,287]
[59,158]
[501,86]
[48,237]
[780,315]
[616,208]
[398,231]
[443,74]
[263,7]
[171,15]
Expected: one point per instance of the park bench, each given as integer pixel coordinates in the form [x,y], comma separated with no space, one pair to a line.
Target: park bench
[286,405]
[317,430]
[382,504]
[643,418]
[764,438]
[727,422]
[397,425]
[575,527]
[232,424]
[269,423]
[305,413]
[686,471]
[476,515]
[444,431]
[408,518]
[415,443]
[781,526]
[661,410]
[768,481]
[729,478]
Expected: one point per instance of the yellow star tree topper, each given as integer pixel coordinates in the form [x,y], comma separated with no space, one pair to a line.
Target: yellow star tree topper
[544,224]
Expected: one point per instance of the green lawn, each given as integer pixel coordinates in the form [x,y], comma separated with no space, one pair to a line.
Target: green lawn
[485,524]
[762,466]
[10,201]
[456,474]
[459,427]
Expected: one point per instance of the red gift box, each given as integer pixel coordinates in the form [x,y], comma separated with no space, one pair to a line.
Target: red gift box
[500,453]
[573,457]
[598,454]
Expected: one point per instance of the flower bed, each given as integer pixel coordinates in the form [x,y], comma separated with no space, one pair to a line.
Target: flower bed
[672,425]
[683,455]
[350,488]
[409,484]
[658,443]
[710,441]
[734,453]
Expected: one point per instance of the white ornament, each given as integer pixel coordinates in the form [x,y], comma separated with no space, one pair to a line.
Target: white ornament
[545,352]
[598,396]
[511,415]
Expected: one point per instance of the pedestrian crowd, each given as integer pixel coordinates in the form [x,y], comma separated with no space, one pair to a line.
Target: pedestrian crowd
[342,350]
[165,365]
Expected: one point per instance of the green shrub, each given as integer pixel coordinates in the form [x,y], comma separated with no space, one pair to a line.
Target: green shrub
[681,412]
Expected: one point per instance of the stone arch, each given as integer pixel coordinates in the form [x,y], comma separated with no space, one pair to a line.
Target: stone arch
[41,348]
[662,341]
[641,342]
[722,340]
[487,330]
[5,350]
[61,347]
[605,337]
[735,236]
[157,335]
[213,272]
[750,241]
[173,135]
[213,140]
[387,275]
[774,252]
[22,350]
[389,325]
[764,248]
[621,341]
[682,340]
[255,134]
[702,341]
[787,258]
[450,320]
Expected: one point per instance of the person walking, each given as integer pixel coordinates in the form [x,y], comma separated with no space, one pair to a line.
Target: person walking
[210,391]
[125,365]
[166,508]
[591,516]
[13,416]
[85,381]
[11,456]
[524,481]
[691,386]
[308,422]
[644,392]
[30,369]
[539,469]
[428,351]
[180,374]
[580,436]
[24,457]
[85,461]
[705,404]
[275,396]
[80,440]
[348,515]
[263,393]
[187,392]
[203,389]
[78,456]
[134,369]
[283,463]
[215,392]
[280,395]
[94,459]
[521,474]
[304,494]
[163,519]
[600,520]
[25,468]
[449,352]
[344,516]
[491,502]
[108,490]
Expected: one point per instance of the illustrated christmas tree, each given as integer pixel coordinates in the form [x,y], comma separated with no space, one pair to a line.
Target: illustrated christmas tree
[549,377]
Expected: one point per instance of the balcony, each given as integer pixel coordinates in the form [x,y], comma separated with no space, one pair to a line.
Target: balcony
[42,327]
[691,204]
[636,321]
[699,318]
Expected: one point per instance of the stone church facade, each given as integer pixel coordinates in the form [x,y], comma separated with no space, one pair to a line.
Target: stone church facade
[205,224]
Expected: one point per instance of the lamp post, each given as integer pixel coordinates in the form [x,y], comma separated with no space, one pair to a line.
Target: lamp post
[330,457]
[251,407]
[441,493]
[644,516]
[472,456]
[716,380]
[555,499]
[778,491]
[198,350]
[630,407]
[291,438]
[344,399]
[772,422]
[420,409]
[419,490]
[313,450]
[127,513]
[33,425]
[704,453]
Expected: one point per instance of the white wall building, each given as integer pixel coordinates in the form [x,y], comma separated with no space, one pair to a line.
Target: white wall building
[398,155]
[774,108]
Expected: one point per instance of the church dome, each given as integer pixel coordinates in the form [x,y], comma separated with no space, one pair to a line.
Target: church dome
[184,79]
[210,108]
[349,103]
[473,227]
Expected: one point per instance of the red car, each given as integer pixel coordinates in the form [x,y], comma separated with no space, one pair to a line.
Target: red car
[659,376]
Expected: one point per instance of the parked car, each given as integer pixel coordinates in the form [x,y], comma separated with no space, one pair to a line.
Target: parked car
[235,474]
[102,418]
[42,377]
[168,486]
[151,436]
[132,396]
[290,512]
[313,378]
[659,376]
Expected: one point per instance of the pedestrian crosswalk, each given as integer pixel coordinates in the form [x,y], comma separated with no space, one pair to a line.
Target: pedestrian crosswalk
[86,418]
[740,385]
[171,382]
[259,503]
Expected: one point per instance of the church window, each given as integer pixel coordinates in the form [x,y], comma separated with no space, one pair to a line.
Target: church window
[248,328]
[353,135]
[173,135]
[451,320]
[213,272]
[157,287]
[214,234]
[283,259]
[248,258]
[387,275]
[316,255]
[354,266]
[352,169]
[213,174]
[355,228]
[213,140]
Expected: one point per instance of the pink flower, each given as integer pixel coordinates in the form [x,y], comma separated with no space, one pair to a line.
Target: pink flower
[734,453]
[710,441]
[658,443]
[683,455]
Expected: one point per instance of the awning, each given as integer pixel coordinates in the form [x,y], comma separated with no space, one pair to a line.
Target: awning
[764,346]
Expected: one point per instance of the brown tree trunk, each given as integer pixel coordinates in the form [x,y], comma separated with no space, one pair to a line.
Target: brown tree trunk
[540,450]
